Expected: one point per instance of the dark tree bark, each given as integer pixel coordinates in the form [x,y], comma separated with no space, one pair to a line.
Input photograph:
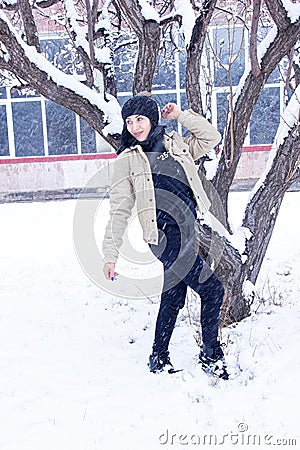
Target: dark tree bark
[148,34]
[278,13]
[262,211]
[253,38]
[147,57]
[22,67]
[29,23]
[284,41]
[194,53]
[228,267]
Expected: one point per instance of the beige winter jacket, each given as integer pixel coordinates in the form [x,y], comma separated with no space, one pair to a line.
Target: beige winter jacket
[132,181]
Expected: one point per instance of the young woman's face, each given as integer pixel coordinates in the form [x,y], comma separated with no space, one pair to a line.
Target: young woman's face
[139,126]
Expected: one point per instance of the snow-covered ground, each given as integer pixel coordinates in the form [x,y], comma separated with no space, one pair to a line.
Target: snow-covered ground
[73,373]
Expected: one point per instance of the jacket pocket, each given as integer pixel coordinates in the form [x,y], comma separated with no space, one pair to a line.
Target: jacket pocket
[137,170]
[137,175]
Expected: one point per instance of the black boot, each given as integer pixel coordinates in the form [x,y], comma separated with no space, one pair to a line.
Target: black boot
[158,363]
[213,361]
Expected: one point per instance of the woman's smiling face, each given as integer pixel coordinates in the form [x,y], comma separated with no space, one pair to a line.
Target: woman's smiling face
[138,126]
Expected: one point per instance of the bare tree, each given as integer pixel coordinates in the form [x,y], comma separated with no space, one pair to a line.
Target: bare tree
[98,30]
[148,34]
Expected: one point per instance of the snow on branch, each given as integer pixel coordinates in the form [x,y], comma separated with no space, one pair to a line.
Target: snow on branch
[111,108]
[239,239]
[249,290]
[261,51]
[148,11]
[184,8]
[292,9]
[7,3]
[80,32]
[103,22]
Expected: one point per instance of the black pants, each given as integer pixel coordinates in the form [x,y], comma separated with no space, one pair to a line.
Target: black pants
[183,267]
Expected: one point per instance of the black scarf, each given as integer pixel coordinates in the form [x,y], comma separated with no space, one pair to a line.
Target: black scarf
[155,136]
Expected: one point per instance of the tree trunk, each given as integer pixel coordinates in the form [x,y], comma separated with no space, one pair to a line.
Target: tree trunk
[227,264]
[29,23]
[148,33]
[194,54]
[262,211]
[260,218]
[149,43]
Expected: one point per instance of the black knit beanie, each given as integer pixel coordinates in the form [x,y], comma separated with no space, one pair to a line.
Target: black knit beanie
[144,105]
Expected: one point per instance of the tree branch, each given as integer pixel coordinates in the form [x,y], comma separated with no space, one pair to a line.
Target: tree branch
[194,52]
[29,24]
[54,85]
[253,38]
[251,88]
[132,12]
[47,3]
[148,33]
[278,13]
[90,31]
[262,211]
[4,65]
[296,68]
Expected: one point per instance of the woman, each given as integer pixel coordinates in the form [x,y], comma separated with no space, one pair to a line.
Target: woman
[155,170]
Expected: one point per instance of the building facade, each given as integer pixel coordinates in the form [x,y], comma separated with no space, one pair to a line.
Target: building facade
[46,147]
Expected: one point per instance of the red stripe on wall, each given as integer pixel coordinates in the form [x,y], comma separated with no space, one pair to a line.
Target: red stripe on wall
[89,156]
[34,159]
[257,148]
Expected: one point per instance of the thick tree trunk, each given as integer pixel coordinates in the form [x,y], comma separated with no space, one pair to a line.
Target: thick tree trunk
[227,264]
[29,23]
[149,43]
[194,53]
[262,210]
[148,33]
[260,218]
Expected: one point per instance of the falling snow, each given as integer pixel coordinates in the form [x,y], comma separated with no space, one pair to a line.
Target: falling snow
[74,359]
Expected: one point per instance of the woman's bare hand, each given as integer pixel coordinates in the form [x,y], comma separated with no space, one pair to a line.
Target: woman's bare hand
[170,111]
[109,271]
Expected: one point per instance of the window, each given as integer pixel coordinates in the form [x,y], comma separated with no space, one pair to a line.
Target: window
[4,146]
[265,117]
[30,125]
[266,114]
[60,52]
[88,138]
[61,130]
[28,131]
[222,111]
[229,54]
[124,64]
[2,92]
